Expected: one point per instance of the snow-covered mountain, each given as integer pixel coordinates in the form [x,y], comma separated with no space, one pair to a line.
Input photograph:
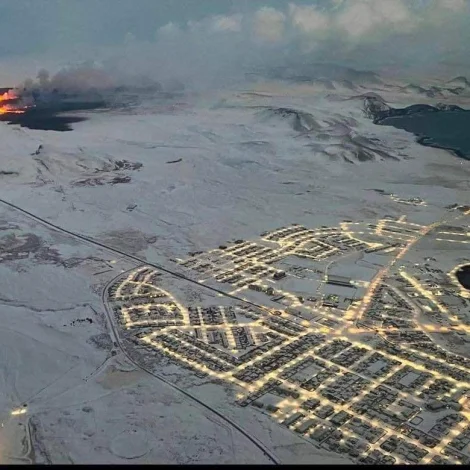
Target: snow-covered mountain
[461,82]
[334,138]
[329,73]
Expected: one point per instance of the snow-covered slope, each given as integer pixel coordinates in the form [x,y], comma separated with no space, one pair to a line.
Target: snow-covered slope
[237,159]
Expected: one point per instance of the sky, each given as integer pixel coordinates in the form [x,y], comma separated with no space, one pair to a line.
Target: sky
[29,26]
[189,36]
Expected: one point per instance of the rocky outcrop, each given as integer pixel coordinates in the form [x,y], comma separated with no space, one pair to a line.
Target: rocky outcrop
[377,109]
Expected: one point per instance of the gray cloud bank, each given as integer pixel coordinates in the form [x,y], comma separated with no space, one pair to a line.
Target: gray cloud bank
[223,47]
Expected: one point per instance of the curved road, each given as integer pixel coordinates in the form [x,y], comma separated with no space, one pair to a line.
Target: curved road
[117,340]
[115,333]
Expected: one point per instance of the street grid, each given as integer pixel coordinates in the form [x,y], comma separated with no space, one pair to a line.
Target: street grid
[357,372]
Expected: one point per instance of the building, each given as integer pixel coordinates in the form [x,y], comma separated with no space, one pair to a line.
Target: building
[279,275]
[339,281]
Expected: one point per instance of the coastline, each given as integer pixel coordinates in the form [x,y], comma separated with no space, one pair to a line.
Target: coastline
[424,140]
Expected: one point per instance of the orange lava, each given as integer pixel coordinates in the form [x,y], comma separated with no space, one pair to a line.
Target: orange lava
[9,95]
[8,108]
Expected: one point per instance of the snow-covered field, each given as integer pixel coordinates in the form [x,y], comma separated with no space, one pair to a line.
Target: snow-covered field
[239,164]
[214,167]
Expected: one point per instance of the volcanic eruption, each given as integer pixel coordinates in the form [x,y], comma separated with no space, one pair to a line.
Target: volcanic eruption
[40,104]
[45,102]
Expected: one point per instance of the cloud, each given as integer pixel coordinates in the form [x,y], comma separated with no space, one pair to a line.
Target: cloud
[454,5]
[170,29]
[363,33]
[231,23]
[308,19]
[223,47]
[269,24]
[366,18]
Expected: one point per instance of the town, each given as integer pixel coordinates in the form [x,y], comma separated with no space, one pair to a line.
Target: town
[354,337]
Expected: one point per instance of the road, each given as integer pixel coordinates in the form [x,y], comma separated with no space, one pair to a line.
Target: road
[117,338]
[88,240]
[377,281]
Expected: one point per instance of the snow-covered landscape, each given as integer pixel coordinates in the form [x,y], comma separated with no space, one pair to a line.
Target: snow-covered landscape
[222,167]
[157,255]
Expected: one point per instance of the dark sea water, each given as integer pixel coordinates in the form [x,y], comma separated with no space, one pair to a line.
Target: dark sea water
[445,129]
[463,275]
